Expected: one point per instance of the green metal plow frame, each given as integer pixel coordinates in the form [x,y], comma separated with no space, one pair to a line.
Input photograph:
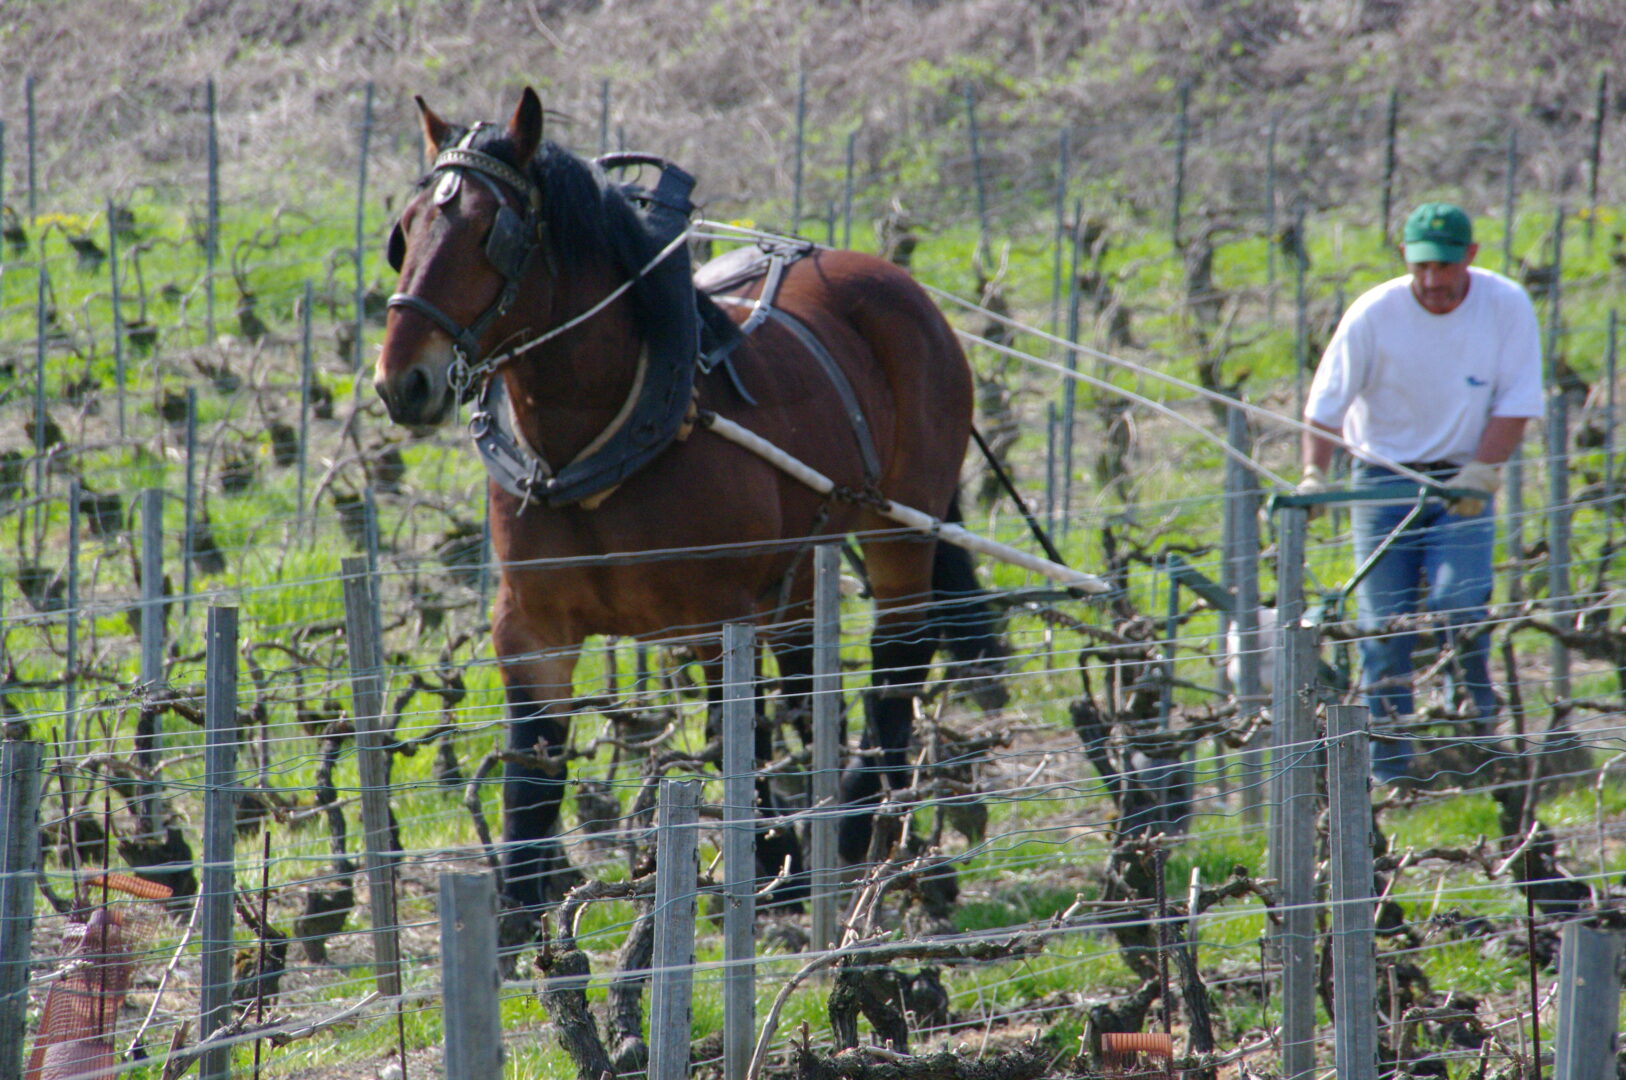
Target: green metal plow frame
[1329,607]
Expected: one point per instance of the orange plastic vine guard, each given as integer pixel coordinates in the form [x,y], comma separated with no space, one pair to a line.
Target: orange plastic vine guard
[1122,1053]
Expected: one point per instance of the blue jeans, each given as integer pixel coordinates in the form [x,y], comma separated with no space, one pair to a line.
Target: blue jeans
[1442,564]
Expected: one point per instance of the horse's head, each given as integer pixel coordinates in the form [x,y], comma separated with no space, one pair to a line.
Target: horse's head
[466,242]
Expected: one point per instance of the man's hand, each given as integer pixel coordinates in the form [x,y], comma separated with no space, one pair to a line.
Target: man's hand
[1475,476]
[1312,482]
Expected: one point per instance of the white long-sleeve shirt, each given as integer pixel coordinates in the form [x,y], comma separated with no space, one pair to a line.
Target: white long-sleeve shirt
[1411,386]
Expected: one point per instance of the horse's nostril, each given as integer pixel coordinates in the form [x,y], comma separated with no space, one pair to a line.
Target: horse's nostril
[414,394]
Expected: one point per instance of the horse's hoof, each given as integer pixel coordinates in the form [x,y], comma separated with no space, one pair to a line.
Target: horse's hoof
[517,928]
[632,1056]
[557,881]
[788,936]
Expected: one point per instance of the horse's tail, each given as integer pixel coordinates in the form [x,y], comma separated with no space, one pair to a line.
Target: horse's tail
[965,621]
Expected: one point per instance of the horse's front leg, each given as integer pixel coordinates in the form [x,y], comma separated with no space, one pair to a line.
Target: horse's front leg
[538,692]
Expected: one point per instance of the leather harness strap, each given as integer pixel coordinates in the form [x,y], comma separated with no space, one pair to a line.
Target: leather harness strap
[832,370]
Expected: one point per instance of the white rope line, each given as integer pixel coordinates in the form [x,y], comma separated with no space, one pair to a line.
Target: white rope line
[1174,380]
[1140,399]
[570,324]
[741,233]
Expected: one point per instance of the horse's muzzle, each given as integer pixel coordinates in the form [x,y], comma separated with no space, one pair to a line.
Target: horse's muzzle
[416,398]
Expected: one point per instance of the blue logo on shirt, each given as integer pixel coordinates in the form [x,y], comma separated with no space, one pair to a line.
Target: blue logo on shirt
[1475,381]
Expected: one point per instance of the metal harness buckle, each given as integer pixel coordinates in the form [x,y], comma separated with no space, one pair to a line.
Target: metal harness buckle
[459,375]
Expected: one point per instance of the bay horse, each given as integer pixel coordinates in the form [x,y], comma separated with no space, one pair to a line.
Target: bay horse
[511,238]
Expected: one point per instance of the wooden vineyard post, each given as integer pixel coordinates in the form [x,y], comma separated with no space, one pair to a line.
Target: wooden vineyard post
[119,373]
[1181,134]
[306,375]
[1559,511]
[361,225]
[469,976]
[677,870]
[1242,564]
[1513,521]
[150,741]
[827,740]
[19,869]
[1293,819]
[1353,965]
[739,849]
[367,688]
[220,796]
[189,524]
[1387,204]
[1588,1002]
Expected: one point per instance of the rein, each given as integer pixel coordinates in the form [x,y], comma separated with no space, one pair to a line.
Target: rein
[463,375]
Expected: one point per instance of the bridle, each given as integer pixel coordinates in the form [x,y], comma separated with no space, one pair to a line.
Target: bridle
[660,395]
[516,237]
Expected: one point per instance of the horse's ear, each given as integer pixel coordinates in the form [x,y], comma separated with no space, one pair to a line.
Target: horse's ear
[525,127]
[435,130]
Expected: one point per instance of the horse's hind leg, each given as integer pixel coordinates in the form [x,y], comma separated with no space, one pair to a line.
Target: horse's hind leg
[535,869]
[966,622]
[901,649]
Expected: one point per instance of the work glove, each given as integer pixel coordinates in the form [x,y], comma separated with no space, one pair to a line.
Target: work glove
[1313,482]
[1475,476]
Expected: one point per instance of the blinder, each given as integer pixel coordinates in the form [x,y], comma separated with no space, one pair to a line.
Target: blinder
[511,244]
[396,252]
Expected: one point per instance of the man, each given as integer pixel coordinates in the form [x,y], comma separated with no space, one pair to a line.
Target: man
[1438,371]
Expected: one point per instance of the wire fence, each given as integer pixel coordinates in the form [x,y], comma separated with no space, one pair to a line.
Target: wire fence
[269,839]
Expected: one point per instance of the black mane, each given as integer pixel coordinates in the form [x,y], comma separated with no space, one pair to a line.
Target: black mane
[588,218]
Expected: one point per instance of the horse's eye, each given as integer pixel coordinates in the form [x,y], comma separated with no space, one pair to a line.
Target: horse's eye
[397,249]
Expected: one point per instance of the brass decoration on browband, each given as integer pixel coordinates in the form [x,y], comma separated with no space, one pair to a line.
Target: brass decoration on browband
[458,157]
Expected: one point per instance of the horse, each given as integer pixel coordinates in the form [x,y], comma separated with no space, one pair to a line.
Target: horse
[511,241]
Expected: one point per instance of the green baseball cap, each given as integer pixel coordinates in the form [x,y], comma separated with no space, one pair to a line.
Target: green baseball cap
[1438,232]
